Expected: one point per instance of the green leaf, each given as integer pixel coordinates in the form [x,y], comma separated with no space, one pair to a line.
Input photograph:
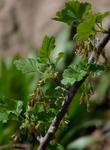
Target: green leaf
[75,72]
[60,147]
[3,117]
[47,46]
[38,108]
[48,89]
[86,28]
[101,16]
[97,69]
[14,114]
[7,104]
[74,12]
[10,109]
[29,65]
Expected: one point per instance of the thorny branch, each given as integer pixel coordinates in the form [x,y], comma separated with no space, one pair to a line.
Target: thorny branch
[72,91]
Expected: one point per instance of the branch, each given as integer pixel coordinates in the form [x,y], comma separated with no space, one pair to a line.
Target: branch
[72,92]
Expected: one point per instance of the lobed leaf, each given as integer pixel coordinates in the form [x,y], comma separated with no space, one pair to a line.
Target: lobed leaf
[73,12]
[26,65]
[47,46]
[75,72]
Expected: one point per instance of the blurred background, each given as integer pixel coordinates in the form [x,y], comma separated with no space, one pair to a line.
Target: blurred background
[23,24]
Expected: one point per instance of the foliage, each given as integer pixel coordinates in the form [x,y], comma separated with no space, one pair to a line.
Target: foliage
[73,12]
[75,72]
[10,109]
[14,93]
[52,85]
[81,16]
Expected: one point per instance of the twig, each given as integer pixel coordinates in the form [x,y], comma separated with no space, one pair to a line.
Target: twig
[72,91]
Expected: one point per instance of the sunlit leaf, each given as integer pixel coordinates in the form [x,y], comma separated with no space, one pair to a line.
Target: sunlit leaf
[86,29]
[10,109]
[75,72]
[73,12]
